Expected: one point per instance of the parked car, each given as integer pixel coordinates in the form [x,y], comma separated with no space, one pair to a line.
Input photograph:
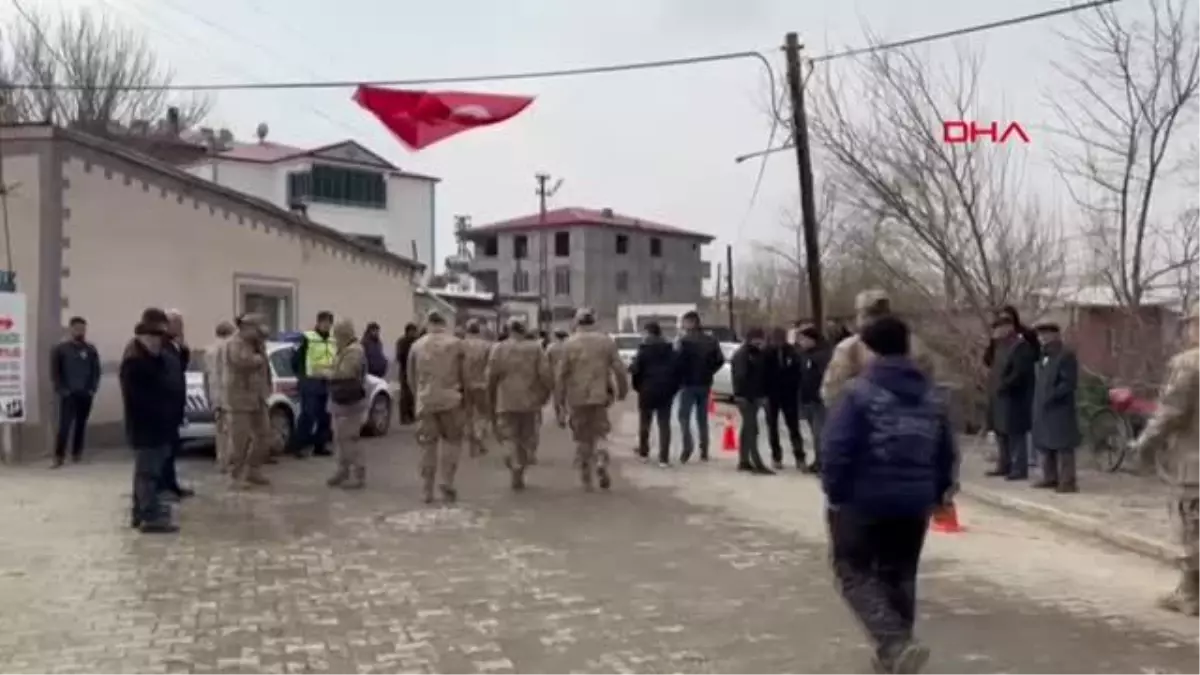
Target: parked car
[627,345]
[283,406]
[722,388]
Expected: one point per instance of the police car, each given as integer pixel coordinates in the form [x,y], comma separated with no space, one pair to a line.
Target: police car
[283,405]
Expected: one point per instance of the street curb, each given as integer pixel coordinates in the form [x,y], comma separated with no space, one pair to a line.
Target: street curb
[1075,523]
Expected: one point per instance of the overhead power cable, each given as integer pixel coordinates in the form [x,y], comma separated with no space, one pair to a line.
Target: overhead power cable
[587,70]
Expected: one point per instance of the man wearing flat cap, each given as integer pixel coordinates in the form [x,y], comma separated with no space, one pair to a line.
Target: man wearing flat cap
[1055,419]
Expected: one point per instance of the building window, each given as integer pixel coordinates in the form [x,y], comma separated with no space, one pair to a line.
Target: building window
[622,282]
[562,244]
[274,301]
[490,280]
[656,283]
[335,185]
[520,281]
[520,247]
[655,247]
[622,244]
[562,280]
[489,247]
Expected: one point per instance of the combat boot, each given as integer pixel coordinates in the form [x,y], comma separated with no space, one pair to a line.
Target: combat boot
[518,480]
[449,494]
[339,477]
[427,477]
[255,477]
[585,476]
[357,479]
[1185,599]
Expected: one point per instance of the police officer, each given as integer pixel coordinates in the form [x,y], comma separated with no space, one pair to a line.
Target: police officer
[475,400]
[519,381]
[312,361]
[1168,446]
[247,387]
[584,386]
[435,374]
[851,355]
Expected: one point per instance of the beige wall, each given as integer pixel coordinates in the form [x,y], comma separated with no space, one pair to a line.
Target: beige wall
[132,241]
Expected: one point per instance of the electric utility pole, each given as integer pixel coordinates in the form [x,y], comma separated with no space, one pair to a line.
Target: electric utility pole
[544,192]
[808,209]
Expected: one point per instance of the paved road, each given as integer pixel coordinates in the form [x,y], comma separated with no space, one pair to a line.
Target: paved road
[694,569]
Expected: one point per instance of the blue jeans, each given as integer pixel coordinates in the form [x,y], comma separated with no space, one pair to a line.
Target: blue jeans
[314,412]
[694,398]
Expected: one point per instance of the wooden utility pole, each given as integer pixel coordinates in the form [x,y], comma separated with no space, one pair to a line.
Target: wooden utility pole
[729,285]
[808,208]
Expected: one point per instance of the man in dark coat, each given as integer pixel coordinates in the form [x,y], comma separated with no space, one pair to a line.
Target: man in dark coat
[176,355]
[655,373]
[782,367]
[403,347]
[75,373]
[1010,384]
[372,345]
[815,352]
[700,358]
[1055,420]
[150,420]
[749,375]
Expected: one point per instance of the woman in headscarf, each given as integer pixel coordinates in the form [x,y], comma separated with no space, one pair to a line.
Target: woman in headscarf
[347,403]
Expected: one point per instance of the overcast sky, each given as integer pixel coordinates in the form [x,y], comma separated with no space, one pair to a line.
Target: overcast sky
[656,144]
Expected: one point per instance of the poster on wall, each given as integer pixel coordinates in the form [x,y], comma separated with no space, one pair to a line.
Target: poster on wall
[13,344]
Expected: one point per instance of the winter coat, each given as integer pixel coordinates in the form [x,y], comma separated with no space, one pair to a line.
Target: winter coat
[517,376]
[655,373]
[435,371]
[850,357]
[1170,438]
[887,446]
[1055,419]
[377,363]
[588,367]
[700,358]
[75,368]
[151,419]
[782,367]
[1010,385]
[177,356]
[813,363]
[749,373]
[247,376]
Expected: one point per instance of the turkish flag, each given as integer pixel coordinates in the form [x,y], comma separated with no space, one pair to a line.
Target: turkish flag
[421,118]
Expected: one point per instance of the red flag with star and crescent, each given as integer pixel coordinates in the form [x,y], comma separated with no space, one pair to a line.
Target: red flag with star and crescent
[421,118]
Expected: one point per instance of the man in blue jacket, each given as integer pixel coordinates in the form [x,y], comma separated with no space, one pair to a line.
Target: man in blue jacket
[888,460]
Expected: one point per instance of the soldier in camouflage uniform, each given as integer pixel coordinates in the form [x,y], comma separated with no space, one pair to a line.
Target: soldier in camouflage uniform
[850,355]
[583,383]
[436,376]
[247,382]
[475,400]
[519,382]
[554,354]
[1168,444]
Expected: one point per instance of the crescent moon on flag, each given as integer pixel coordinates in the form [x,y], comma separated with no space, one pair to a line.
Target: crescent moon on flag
[472,111]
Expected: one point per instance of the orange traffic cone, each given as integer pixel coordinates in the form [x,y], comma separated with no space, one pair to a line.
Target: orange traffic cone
[729,440]
[945,520]
[712,403]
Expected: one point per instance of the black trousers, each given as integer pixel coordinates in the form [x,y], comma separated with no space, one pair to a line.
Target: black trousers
[407,406]
[168,478]
[790,410]
[73,412]
[662,415]
[748,457]
[875,561]
[148,465]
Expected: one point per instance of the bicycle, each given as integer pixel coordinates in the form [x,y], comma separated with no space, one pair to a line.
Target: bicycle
[1112,429]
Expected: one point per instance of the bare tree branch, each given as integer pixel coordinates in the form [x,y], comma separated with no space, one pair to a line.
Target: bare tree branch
[99,60]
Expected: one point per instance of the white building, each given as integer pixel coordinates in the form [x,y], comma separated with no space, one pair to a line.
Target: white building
[343,185]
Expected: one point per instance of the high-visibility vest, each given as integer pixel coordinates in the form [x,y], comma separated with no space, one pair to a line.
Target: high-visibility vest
[319,354]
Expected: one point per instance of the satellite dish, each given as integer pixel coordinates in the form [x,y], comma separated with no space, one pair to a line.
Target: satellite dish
[261,132]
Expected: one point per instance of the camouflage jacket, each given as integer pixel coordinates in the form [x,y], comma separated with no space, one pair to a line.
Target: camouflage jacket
[518,376]
[1170,439]
[475,360]
[554,353]
[586,372]
[851,356]
[435,371]
[214,373]
[349,364]
[247,376]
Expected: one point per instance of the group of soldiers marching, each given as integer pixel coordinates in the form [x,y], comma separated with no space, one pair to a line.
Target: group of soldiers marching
[465,385]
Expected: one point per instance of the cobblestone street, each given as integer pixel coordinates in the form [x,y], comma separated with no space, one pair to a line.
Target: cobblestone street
[694,569]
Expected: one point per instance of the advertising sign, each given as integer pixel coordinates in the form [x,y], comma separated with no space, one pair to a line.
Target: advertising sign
[14,337]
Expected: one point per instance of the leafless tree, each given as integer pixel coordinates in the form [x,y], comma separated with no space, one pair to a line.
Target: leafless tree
[89,70]
[1133,87]
[1130,160]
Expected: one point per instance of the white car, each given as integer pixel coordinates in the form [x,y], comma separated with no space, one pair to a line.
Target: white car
[284,403]
[722,387]
[627,346]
